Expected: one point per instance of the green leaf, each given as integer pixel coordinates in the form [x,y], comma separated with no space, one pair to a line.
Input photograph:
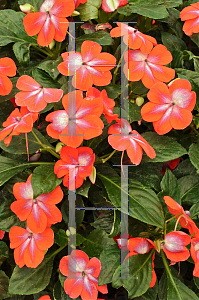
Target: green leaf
[151,294]
[50,67]
[4,253]
[79,213]
[7,218]
[113,90]
[18,143]
[96,242]
[44,180]
[110,261]
[59,293]
[178,290]
[172,3]
[100,37]
[134,112]
[10,167]
[184,168]
[44,79]
[140,274]
[137,88]
[189,186]
[12,28]
[61,238]
[166,148]
[172,42]
[194,155]
[143,8]
[144,204]
[84,189]
[22,52]
[4,282]
[104,222]
[194,210]
[147,174]
[89,10]
[170,186]
[27,281]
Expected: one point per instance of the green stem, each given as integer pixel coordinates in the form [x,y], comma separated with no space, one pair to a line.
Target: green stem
[57,251]
[46,148]
[48,53]
[113,15]
[105,159]
[192,127]
[119,63]
[194,215]
[168,271]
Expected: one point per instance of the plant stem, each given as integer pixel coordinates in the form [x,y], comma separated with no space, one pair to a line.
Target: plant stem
[105,159]
[42,50]
[119,64]
[113,15]
[58,250]
[46,148]
[192,127]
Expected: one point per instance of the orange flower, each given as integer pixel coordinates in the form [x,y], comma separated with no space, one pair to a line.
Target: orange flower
[169,106]
[50,22]
[149,67]
[75,165]
[108,103]
[111,5]
[88,67]
[2,234]
[124,138]
[195,255]
[80,120]
[33,95]
[40,212]
[18,122]
[84,273]
[46,297]
[29,247]
[133,38]
[78,2]
[174,246]
[190,15]
[185,221]
[7,69]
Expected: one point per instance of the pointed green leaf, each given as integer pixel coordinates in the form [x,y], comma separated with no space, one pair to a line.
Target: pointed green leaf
[170,186]
[144,204]
[27,281]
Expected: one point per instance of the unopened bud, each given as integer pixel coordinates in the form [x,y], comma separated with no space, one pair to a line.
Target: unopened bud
[51,45]
[27,8]
[35,157]
[92,177]
[139,101]
[75,13]
[58,147]
[187,213]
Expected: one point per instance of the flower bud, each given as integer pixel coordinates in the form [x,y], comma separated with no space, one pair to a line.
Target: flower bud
[92,177]
[35,157]
[75,13]
[26,8]
[58,147]
[51,45]
[139,101]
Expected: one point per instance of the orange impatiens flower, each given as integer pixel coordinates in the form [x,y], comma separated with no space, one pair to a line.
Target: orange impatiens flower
[108,103]
[50,22]
[190,15]
[150,68]
[174,246]
[88,67]
[195,255]
[140,245]
[80,120]
[170,106]
[29,247]
[2,233]
[111,5]
[39,212]
[18,122]
[133,38]
[33,95]
[75,165]
[78,2]
[45,297]
[83,275]
[183,216]
[7,69]
[122,137]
